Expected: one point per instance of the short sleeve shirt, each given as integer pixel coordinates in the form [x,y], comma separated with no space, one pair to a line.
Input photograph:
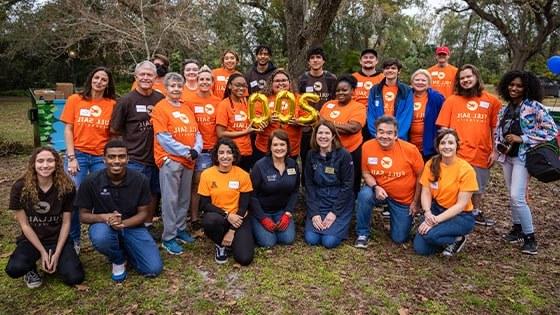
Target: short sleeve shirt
[224,189]
[235,117]
[343,114]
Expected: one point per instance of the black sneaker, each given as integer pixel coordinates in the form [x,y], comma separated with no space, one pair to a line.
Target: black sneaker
[361,242]
[515,234]
[480,219]
[529,244]
[33,279]
[221,254]
[455,247]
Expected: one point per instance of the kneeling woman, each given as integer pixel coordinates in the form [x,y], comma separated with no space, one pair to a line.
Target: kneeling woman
[42,201]
[225,192]
[329,176]
[275,179]
[448,183]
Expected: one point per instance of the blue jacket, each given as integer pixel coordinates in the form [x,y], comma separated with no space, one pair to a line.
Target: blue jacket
[403,108]
[433,106]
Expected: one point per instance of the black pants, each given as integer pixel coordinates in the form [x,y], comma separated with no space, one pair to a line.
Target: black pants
[25,256]
[357,160]
[246,162]
[243,245]
[304,146]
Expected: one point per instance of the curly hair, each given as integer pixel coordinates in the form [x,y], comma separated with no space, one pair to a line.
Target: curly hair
[532,88]
[234,149]
[61,181]
[268,89]
[348,78]
[435,168]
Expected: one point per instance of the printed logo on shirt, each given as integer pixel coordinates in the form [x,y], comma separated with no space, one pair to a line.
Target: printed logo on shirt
[182,117]
[291,171]
[209,109]
[213,185]
[262,84]
[150,108]
[95,110]
[472,105]
[417,106]
[141,108]
[42,207]
[368,85]
[441,75]
[242,116]
[334,114]
[317,86]
[271,178]
[105,192]
[330,105]
[389,96]
[372,160]
[386,162]
[233,184]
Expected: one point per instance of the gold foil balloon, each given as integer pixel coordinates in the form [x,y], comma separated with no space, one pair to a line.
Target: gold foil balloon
[254,99]
[290,98]
[312,114]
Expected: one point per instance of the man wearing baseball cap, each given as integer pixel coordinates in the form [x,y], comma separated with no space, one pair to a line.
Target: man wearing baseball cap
[367,77]
[443,74]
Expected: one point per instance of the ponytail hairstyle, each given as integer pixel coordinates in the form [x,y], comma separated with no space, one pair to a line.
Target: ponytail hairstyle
[435,167]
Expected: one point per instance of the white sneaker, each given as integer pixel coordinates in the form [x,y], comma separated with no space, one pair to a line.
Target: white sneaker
[33,279]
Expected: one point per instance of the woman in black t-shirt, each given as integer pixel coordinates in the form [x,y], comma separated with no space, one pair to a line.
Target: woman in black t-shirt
[42,202]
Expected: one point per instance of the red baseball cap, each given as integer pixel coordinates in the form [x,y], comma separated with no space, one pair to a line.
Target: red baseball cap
[442,50]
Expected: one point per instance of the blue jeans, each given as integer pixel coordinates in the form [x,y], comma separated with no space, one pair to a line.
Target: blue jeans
[517,178]
[401,220]
[444,233]
[265,238]
[133,244]
[328,241]
[88,164]
[150,171]
[203,161]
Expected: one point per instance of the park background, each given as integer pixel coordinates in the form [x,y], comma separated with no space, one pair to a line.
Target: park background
[44,42]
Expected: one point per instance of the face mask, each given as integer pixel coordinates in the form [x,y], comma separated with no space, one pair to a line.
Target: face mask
[161,70]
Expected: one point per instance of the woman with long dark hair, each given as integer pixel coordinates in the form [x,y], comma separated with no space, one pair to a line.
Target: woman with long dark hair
[523,124]
[42,201]
[87,116]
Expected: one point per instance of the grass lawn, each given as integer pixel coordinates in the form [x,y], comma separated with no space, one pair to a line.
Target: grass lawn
[488,277]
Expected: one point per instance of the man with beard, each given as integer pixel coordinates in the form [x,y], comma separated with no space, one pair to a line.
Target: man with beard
[258,75]
[115,202]
[443,74]
[367,77]
[131,119]
[473,113]
[162,67]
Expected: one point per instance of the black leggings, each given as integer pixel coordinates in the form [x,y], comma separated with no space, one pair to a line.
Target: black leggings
[243,245]
[357,160]
[25,256]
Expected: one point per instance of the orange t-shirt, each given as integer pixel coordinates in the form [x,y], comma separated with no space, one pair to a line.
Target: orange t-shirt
[395,170]
[361,92]
[443,79]
[187,94]
[473,119]
[294,131]
[416,132]
[454,178]
[180,123]
[337,114]
[90,122]
[220,77]
[389,97]
[234,117]
[158,87]
[205,110]
[224,189]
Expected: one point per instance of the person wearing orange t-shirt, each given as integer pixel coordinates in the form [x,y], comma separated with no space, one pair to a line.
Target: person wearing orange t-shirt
[225,192]
[232,119]
[443,74]
[427,105]
[162,65]
[177,144]
[473,112]
[367,77]
[220,76]
[86,117]
[278,81]
[190,73]
[448,182]
[349,117]
[391,168]
[204,106]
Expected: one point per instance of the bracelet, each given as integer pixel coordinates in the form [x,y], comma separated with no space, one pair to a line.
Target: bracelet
[71,157]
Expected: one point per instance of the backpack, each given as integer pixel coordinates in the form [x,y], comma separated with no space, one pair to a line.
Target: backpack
[543,162]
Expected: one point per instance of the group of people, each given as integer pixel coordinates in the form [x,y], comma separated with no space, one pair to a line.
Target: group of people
[420,149]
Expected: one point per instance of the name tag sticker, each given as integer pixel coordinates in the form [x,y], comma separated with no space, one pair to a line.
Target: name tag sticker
[141,108]
[329,170]
[221,78]
[198,110]
[254,83]
[176,114]
[291,171]
[372,160]
[308,89]
[330,105]
[434,185]
[85,112]
[233,184]
[484,104]
[360,84]
[239,117]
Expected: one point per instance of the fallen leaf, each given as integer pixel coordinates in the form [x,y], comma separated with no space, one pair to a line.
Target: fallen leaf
[82,287]
[404,311]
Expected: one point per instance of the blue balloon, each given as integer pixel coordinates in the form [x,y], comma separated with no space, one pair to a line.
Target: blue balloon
[553,64]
